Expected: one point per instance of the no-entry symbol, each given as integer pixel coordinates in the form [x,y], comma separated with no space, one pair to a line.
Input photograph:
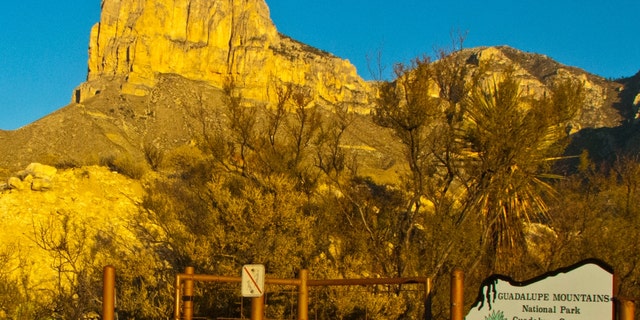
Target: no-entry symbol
[252,280]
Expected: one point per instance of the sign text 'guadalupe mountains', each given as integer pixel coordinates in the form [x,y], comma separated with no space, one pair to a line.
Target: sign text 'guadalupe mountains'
[583,291]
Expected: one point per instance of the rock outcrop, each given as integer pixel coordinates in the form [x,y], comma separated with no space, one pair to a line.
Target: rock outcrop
[212,41]
[37,177]
[537,73]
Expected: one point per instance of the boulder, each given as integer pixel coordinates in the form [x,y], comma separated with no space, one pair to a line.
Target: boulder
[36,176]
[42,171]
[41,184]
[15,183]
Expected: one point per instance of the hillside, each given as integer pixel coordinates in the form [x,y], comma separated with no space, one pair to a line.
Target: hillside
[113,122]
[173,153]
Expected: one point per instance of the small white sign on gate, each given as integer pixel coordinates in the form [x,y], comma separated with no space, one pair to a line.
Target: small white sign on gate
[252,280]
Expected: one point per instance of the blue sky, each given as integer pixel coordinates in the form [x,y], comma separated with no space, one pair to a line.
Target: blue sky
[43,44]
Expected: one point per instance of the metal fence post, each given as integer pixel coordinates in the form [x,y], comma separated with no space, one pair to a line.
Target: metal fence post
[187,296]
[627,309]
[303,295]
[457,294]
[109,293]
[257,308]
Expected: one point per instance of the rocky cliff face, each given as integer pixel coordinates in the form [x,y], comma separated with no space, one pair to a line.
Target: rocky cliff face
[538,73]
[212,41]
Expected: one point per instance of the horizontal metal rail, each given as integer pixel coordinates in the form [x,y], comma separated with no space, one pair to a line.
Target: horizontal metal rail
[367,281]
[302,283]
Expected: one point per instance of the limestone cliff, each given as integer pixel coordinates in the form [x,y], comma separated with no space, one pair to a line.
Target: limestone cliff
[212,41]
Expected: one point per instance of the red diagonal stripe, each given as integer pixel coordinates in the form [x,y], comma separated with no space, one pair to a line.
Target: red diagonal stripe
[252,280]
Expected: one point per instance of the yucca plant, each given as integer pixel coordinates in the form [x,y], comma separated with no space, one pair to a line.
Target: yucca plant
[496,315]
[511,141]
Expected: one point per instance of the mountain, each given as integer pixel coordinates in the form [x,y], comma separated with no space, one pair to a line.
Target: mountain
[148,60]
[115,119]
[160,71]
[537,73]
[152,62]
[210,41]
[605,126]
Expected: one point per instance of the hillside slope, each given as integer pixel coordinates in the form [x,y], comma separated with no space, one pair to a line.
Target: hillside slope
[114,123]
[161,78]
[51,233]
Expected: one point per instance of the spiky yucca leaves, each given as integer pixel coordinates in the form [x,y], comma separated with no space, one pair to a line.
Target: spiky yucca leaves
[512,141]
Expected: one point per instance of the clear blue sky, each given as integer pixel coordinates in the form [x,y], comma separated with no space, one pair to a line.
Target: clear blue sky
[43,44]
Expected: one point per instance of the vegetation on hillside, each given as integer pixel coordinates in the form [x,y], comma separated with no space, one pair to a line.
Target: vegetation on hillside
[274,185]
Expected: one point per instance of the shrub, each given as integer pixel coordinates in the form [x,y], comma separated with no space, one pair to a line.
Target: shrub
[124,164]
[154,155]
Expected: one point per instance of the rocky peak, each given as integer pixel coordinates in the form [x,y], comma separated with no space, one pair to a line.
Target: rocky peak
[537,73]
[212,41]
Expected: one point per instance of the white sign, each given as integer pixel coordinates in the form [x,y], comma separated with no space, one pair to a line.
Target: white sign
[583,291]
[252,280]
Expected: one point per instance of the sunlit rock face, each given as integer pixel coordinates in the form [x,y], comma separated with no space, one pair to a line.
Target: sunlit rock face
[218,42]
[537,74]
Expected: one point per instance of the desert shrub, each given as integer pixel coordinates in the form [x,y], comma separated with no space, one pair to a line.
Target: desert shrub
[67,163]
[59,161]
[48,159]
[124,164]
[596,216]
[183,157]
[10,294]
[154,155]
